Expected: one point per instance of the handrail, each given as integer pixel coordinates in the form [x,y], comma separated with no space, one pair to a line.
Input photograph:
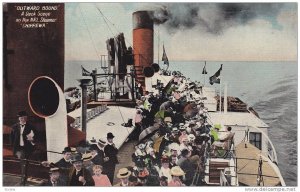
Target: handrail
[90,115]
[223,180]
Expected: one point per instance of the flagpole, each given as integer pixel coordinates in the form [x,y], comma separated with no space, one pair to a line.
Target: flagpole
[205,70]
[220,93]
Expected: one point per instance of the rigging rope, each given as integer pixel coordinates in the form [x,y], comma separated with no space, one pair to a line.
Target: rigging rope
[104,19]
[89,32]
[124,123]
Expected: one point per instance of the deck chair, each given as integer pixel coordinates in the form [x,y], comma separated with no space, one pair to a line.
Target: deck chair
[225,151]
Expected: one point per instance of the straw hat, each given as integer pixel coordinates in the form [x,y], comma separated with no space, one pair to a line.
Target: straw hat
[177,171]
[101,142]
[191,137]
[168,119]
[54,169]
[123,173]
[86,156]
[174,147]
[93,141]
[74,150]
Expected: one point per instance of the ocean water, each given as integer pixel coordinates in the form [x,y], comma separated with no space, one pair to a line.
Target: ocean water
[269,87]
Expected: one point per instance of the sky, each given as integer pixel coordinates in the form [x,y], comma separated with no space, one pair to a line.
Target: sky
[189,31]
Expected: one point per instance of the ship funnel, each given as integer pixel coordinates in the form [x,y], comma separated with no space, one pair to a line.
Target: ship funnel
[47,100]
[142,43]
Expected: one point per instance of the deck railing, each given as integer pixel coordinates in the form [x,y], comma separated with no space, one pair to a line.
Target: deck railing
[90,115]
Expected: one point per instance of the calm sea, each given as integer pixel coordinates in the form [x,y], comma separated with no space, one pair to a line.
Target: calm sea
[269,87]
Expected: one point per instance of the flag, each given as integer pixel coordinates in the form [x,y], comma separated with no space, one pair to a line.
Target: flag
[215,78]
[164,57]
[204,69]
[85,72]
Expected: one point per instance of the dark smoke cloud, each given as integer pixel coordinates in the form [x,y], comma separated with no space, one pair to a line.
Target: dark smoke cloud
[213,18]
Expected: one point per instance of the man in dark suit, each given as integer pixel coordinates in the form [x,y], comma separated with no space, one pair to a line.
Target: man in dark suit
[97,156]
[111,152]
[22,137]
[56,179]
[65,162]
[79,176]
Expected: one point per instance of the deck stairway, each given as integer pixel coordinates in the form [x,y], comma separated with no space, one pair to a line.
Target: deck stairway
[214,171]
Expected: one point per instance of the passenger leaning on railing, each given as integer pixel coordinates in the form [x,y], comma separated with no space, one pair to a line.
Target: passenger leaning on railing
[64,162]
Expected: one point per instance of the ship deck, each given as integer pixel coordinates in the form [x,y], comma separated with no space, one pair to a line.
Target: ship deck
[247,166]
[109,121]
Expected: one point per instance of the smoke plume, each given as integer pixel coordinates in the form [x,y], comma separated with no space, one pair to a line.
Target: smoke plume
[213,18]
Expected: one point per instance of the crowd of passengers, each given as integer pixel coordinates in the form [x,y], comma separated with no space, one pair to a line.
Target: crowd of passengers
[173,135]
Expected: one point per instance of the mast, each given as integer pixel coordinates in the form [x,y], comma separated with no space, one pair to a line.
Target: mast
[158,43]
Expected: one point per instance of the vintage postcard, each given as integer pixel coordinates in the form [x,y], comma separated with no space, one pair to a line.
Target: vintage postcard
[150,94]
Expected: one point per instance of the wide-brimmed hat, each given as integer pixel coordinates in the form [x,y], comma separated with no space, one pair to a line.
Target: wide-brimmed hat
[86,156]
[191,137]
[73,150]
[174,147]
[110,135]
[76,158]
[53,169]
[177,171]
[101,142]
[123,173]
[67,149]
[22,114]
[168,119]
[93,141]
